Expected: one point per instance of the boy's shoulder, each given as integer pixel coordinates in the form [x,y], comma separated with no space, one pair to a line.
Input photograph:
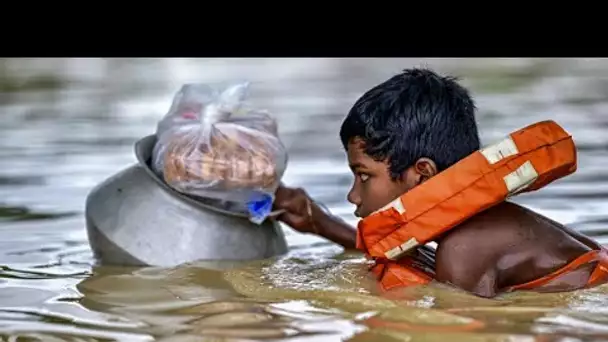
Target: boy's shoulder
[468,256]
[503,225]
[505,243]
[495,226]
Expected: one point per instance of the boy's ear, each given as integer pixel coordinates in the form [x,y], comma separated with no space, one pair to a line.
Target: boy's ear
[424,168]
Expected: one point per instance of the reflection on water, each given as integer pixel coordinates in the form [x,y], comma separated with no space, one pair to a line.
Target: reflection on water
[68,124]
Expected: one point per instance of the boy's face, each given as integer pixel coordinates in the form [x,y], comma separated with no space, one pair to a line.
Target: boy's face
[373,187]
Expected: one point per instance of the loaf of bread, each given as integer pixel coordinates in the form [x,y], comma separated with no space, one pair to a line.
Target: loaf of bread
[233,158]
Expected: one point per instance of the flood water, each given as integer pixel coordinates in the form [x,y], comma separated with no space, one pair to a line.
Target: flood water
[68,124]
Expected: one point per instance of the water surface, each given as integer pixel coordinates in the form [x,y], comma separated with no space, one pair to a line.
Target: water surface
[69,124]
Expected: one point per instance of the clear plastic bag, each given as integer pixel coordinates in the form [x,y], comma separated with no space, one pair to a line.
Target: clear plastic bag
[211,145]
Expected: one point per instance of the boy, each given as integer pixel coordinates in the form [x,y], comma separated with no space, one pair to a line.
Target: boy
[403,132]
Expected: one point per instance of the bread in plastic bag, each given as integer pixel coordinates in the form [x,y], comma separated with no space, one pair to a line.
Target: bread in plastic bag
[211,145]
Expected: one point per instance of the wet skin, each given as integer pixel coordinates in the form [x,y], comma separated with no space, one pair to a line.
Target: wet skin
[509,245]
[504,246]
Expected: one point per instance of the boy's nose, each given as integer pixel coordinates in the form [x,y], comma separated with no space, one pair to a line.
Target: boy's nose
[353,197]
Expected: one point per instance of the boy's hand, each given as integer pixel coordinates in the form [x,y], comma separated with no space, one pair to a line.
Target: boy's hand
[295,202]
[305,216]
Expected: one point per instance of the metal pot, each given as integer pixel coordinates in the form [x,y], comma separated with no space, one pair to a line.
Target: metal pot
[134,218]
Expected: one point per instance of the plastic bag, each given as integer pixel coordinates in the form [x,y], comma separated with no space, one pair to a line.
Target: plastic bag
[211,145]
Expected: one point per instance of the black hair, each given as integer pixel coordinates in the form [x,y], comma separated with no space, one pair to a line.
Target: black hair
[414,114]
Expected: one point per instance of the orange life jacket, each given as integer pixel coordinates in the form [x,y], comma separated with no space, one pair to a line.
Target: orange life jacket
[527,160]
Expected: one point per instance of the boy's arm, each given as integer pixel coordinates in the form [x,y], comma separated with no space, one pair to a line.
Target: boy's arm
[332,228]
[471,277]
[574,234]
[304,215]
[461,264]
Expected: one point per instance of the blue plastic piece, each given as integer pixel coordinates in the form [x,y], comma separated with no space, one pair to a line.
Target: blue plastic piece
[260,207]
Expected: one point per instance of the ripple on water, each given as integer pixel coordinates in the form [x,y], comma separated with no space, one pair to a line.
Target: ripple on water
[57,143]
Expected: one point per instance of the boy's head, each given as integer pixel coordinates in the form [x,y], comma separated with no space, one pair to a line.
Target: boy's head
[404,131]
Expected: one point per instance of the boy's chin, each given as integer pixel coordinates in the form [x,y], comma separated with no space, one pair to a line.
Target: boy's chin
[361,215]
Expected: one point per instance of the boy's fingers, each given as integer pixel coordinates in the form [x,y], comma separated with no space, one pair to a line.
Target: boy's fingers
[283,192]
[283,217]
[276,213]
[288,203]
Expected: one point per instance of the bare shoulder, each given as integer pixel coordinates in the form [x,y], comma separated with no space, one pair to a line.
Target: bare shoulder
[507,244]
[502,225]
[467,257]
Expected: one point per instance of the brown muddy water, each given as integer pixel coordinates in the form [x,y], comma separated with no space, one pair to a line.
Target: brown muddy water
[69,124]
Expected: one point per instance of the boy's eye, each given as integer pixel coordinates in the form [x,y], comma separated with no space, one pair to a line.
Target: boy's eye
[363,177]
